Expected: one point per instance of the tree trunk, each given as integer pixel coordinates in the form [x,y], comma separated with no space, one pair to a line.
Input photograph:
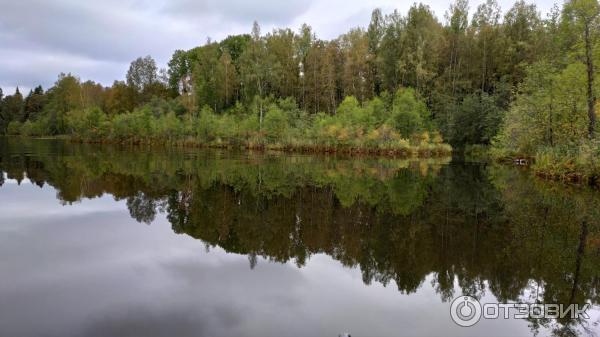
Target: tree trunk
[260,106]
[591,100]
[551,113]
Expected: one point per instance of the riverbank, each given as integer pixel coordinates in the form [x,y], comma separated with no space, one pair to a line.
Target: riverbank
[574,165]
[402,128]
[402,148]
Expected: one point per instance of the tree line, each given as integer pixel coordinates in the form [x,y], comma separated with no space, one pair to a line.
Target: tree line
[517,79]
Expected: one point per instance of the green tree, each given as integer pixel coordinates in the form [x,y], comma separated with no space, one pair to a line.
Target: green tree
[275,124]
[409,114]
[321,77]
[284,78]
[581,17]
[63,97]
[486,25]
[255,70]
[421,41]
[180,72]
[205,76]
[227,79]
[12,110]
[522,29]
[390,51]
[356,78]
[456,30]
[93,94]
[549,110]
[375,34]
[235,45]
[303,44]
[477,120]
[120,98]
[142,73]
[34,104]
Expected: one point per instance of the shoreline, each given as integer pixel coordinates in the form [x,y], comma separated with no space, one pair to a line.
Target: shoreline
[557,173]
[572,178]
[423,151]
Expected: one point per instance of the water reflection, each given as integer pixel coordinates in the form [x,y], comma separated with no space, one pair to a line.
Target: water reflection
[462,228]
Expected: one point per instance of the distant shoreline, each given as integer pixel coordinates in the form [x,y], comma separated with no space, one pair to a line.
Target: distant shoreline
[426,151]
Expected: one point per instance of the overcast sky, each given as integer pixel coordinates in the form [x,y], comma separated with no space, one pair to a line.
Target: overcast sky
[97,39]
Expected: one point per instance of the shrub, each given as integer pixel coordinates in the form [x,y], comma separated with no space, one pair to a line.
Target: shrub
[376,108]
[27,129]
[88,124]
[379,125]
[206,125]
[569,163]
[408,113]
[170,127]
[14,128]
[275,123]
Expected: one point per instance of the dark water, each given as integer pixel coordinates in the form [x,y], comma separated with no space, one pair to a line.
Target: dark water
[102,241]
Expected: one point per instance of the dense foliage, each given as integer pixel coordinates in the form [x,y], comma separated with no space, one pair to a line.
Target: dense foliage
[516,80]
[552,118]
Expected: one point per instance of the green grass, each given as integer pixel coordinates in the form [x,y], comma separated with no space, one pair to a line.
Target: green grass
[571,164]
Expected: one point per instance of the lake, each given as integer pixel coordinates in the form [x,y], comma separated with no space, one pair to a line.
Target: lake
[113,241]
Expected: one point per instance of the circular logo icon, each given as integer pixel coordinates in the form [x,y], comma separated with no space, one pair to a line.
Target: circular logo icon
[465,311]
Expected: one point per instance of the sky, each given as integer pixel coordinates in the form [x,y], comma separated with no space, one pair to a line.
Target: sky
[97,40]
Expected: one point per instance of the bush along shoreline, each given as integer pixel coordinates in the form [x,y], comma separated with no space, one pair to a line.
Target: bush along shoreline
[574,165]
[578,166]
[392,125]
[551,124]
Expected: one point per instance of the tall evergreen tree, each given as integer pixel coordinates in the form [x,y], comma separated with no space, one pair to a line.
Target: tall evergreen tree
[34,104]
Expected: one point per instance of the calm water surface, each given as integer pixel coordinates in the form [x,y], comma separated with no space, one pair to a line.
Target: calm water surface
[104,241]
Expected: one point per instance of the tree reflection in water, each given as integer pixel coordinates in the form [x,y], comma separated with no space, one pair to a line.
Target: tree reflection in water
[485,228]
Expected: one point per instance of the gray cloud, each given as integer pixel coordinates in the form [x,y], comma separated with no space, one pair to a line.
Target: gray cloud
[74,27]
[241,11]
[30,67]
[97,39]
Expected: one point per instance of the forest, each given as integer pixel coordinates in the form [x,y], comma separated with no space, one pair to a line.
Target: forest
[515,81]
